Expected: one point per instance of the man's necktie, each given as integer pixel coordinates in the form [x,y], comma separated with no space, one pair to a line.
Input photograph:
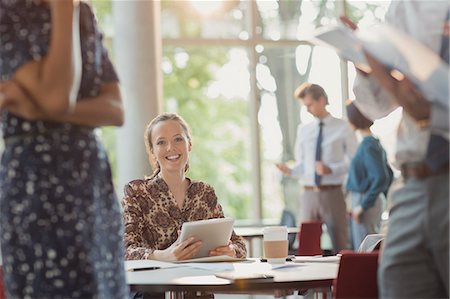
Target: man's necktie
[438,148]
[317,177]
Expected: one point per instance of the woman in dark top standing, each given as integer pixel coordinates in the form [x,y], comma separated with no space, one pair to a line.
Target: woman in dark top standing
[61,230]
[368,180]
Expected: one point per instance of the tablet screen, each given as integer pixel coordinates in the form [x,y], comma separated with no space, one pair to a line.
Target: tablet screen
[212,232]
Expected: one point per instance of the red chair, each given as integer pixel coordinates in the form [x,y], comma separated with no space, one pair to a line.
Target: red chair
[2,286]
[309,238]
[357,275]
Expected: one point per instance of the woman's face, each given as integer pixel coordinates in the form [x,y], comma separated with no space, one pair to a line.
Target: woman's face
[171,146]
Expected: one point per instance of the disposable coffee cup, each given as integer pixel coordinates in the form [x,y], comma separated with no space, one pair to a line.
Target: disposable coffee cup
[275,244]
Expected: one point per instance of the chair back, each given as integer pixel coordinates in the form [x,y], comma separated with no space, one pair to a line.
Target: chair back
[357,275]
[2,285]
[309,238]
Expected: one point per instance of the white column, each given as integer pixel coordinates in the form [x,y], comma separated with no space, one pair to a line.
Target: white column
[137,49]
[257,199]
[341,9]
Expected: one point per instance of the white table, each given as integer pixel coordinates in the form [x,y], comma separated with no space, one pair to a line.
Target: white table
[175,281]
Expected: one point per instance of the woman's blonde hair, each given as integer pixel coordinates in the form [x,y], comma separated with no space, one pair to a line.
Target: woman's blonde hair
[148,138]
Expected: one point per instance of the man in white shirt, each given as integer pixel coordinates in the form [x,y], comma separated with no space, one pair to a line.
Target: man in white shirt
[415,260]
[324,149]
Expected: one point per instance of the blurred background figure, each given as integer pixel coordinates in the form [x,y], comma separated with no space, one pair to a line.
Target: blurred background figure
[368,180]
[61,229]
[324,149]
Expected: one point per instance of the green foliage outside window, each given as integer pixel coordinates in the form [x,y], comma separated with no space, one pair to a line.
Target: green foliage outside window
[219,126]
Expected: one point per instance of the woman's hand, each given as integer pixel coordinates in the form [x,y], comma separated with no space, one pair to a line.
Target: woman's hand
[14,99]
[357,214]
[179,250]
[224,250]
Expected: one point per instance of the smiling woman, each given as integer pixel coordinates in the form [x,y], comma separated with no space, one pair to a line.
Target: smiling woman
[168,138]
[156,207]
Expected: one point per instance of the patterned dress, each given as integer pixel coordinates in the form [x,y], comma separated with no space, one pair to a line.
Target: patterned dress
[60,221]
[153,219]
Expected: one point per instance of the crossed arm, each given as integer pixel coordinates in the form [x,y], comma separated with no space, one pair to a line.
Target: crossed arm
[105,109]
[52,83]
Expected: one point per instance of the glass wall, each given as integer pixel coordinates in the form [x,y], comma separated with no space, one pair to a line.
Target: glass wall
[268,34]
[230,69]
[209,87]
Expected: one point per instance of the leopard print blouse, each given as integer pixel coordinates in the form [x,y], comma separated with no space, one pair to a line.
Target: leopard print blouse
[153,219]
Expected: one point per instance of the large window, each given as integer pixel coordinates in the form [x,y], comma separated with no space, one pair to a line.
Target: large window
[238,97]
[209,87]
[230,69]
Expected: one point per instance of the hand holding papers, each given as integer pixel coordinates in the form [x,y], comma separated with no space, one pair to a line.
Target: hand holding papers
[395,50]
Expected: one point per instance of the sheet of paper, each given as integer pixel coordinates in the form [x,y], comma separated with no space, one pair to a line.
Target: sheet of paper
[212,259]
[233,275]
[342,40]
[248,266]
[416,61]
[393,48]
[142,264]
[317,259]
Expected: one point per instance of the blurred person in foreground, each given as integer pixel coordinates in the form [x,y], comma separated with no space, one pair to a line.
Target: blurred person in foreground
[60,221]
[415,259]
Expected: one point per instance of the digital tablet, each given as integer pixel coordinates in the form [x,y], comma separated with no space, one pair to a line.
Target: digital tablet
[212,232]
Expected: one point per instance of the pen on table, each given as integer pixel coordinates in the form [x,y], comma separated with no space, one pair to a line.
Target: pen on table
[144,269]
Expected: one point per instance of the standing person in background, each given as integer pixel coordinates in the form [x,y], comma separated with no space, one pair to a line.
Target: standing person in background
[415,259]
[60,221]
[369,178]
[324,149]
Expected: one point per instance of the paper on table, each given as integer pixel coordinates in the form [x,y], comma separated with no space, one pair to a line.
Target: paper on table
[141,264]
[317,259]
[394,49]
[234,275]
[248,266]
[212,259]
